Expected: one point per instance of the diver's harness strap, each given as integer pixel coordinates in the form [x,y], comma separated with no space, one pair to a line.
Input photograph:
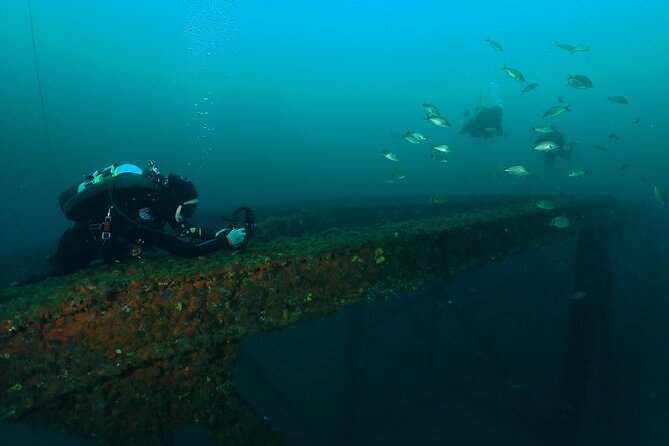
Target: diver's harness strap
[104,227]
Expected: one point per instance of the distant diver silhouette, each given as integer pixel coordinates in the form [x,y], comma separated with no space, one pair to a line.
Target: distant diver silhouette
[486,123]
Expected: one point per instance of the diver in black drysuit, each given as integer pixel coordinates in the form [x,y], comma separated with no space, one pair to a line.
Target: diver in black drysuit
[486,123]
[127,220]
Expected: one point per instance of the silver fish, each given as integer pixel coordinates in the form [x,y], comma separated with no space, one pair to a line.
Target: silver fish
[555,111]
[618,99]
[578,173]
[545,204]
[546,146]
[390,155]
[580,48]
[495,46]
[514,74]
[439,156]
[431,109]
[439,121]
[579,81]
[443,148]
[519,171]
[414,137]
[565,46]
[531,86]
[543,129]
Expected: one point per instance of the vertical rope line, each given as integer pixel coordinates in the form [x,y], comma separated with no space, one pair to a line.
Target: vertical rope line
[52,154]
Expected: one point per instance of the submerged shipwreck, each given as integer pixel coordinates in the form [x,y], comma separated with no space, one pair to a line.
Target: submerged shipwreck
[123,354]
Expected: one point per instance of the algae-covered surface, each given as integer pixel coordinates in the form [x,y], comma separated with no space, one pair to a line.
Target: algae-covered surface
[124,353]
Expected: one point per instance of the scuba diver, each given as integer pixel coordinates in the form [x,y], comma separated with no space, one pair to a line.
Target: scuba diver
[123,209]
[486,123]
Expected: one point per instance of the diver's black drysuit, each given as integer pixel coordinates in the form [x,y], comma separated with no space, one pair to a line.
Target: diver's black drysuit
[136,220]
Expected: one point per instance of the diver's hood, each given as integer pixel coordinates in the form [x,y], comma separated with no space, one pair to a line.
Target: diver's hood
[184,193]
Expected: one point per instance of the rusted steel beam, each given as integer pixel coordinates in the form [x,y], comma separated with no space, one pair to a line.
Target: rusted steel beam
[124,354]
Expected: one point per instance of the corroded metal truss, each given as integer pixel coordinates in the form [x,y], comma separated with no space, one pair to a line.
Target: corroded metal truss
[124,354]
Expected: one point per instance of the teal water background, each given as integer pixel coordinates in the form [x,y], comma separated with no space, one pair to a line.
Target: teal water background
[297,99]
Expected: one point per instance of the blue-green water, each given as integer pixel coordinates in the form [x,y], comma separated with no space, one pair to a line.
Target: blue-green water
[299,98]
[276,101]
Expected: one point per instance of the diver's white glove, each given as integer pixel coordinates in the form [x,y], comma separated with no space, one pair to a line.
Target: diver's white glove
[236,237]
